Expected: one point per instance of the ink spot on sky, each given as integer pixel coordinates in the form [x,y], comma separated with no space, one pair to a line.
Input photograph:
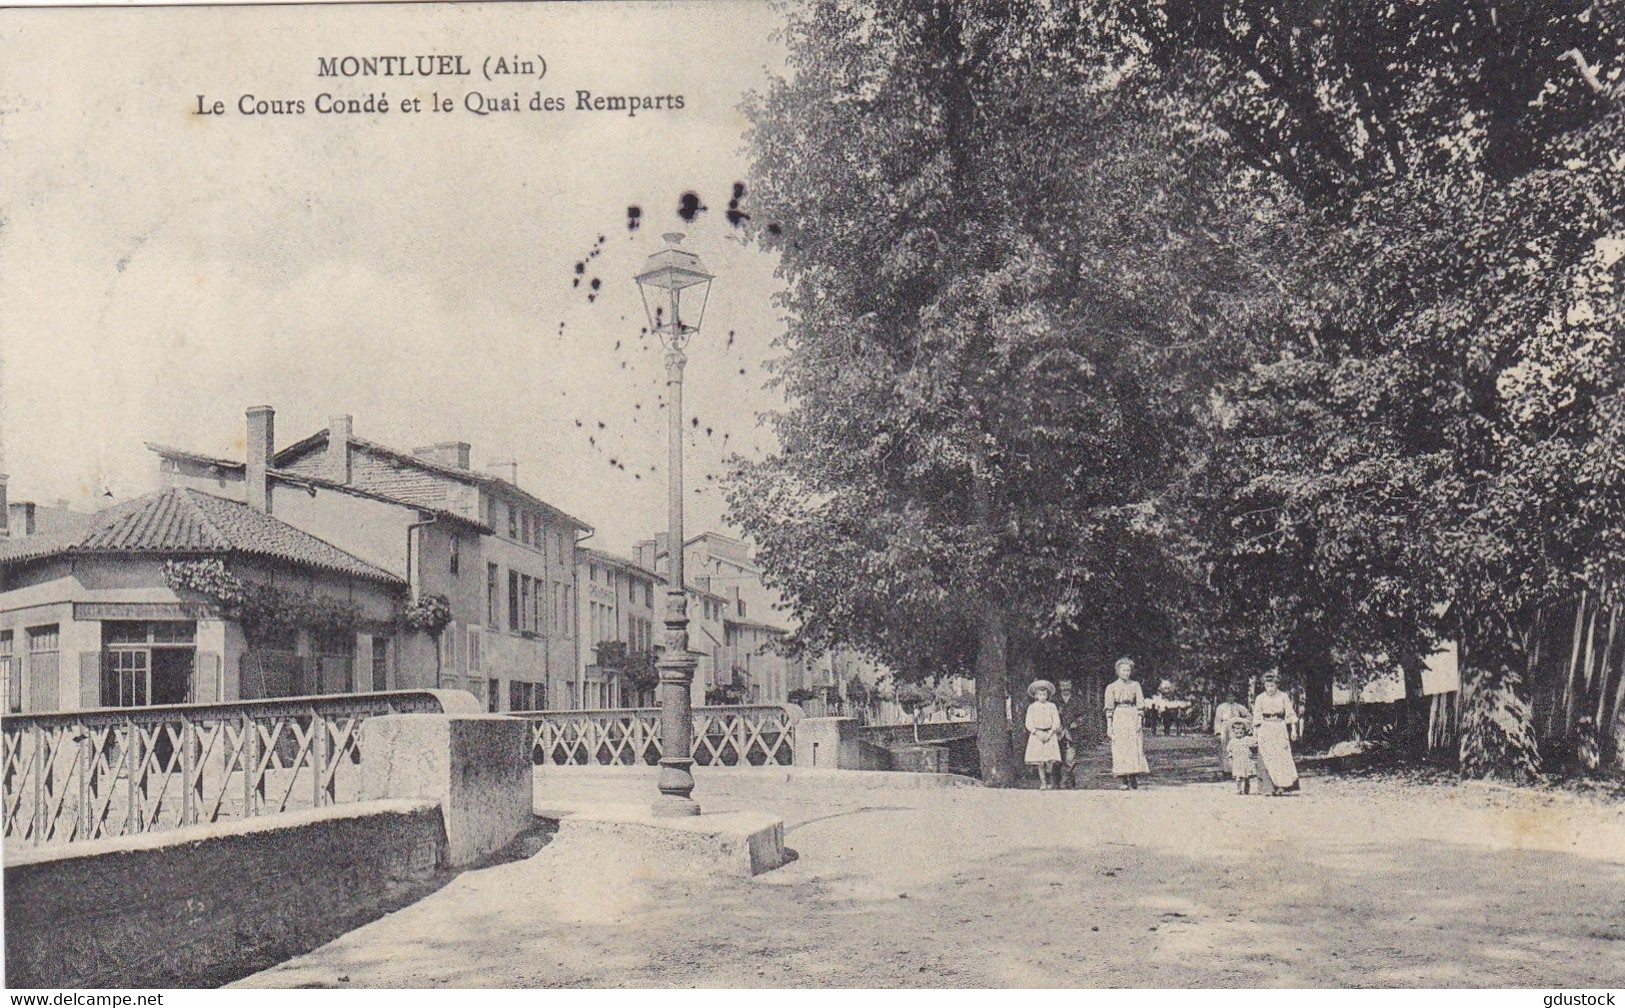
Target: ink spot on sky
[634,217]
[690,207]
[736,216]
[596,283]
[581,268]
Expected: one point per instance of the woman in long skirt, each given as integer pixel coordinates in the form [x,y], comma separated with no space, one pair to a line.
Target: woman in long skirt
[1273,716]
[1043,731]
[1124,701]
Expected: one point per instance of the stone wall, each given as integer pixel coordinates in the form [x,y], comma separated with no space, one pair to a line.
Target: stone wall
[200,906]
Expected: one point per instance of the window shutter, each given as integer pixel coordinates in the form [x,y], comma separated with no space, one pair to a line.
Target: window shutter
[206,678]
[90,679]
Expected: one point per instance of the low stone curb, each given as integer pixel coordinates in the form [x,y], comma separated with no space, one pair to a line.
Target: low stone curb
[858,779]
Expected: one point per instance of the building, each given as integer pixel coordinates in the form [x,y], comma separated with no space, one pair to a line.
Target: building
[501,558]
[182,596]
[734,612]
[26,518]
[618,606]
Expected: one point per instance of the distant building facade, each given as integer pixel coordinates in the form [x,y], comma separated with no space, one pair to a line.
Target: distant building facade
[501,557]
[619,605]
[735,614]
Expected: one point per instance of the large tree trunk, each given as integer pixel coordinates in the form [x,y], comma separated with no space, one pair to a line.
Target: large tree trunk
[1497,723]
[993,739]
[1312,659]
[1414,716]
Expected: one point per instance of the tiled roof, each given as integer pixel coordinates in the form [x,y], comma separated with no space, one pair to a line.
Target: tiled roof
[619,561]
[185,521]
[421,492]
[312,477]
[754,625]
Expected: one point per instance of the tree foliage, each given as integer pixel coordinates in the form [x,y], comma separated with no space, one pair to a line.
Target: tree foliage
[1230,334]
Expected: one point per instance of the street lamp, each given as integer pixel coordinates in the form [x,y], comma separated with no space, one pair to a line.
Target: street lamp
[675,287]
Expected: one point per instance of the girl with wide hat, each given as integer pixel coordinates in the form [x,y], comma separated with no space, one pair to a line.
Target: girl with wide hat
[1043,731]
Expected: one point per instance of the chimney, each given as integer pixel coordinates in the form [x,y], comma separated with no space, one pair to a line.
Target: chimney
[261,436]
[447,453]
[5,510]
[645,554]
[20,521]
[336,466]
[507,469]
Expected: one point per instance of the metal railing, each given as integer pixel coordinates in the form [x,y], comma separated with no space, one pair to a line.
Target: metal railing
[742,735]
[83,775]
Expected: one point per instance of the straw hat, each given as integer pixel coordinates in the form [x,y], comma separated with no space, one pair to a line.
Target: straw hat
[1244,722]
[1041,683]
[1274,677]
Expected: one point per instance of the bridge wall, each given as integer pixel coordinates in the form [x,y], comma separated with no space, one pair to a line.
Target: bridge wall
[203,905]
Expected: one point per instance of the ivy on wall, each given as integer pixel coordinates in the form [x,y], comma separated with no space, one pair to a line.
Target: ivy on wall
[428,613]
[263,610]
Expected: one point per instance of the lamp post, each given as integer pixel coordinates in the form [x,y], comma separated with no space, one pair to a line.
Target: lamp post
[675,286]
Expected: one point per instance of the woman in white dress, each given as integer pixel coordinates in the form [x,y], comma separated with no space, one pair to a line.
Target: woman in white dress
[1043,731]
[1273,718]
[1124,701]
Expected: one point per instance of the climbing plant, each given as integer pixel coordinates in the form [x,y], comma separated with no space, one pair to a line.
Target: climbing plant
[263,610]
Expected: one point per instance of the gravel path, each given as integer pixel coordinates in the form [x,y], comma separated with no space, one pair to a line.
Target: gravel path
[1354,883]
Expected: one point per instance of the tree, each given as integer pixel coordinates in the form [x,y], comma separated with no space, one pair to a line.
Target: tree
[1434,451]
[1010,271]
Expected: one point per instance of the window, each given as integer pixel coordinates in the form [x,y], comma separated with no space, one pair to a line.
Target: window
[530,696]
[493,696]
[491,595]
[742,609]
[562,557]
[454,554]
[527,603]
[127,677]
[513,601]
[513,522]
[524,527]
[473,650]
[42,639]
[537,607]
[592,573]
[11,674]
[569,613]
[380,663]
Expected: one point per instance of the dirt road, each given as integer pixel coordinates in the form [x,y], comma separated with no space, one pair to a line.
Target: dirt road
[1354,883]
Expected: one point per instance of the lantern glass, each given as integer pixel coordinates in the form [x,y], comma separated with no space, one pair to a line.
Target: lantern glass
[675,286]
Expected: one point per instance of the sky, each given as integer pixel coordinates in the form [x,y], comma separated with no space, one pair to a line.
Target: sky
[161,271]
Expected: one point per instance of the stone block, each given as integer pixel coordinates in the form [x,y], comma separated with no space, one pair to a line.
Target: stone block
[829,743]
[477,767]
[739,844]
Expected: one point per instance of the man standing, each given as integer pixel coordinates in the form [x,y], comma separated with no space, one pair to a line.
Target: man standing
[1073,712]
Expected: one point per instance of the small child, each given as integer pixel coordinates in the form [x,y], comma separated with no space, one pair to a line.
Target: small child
[1242,748]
